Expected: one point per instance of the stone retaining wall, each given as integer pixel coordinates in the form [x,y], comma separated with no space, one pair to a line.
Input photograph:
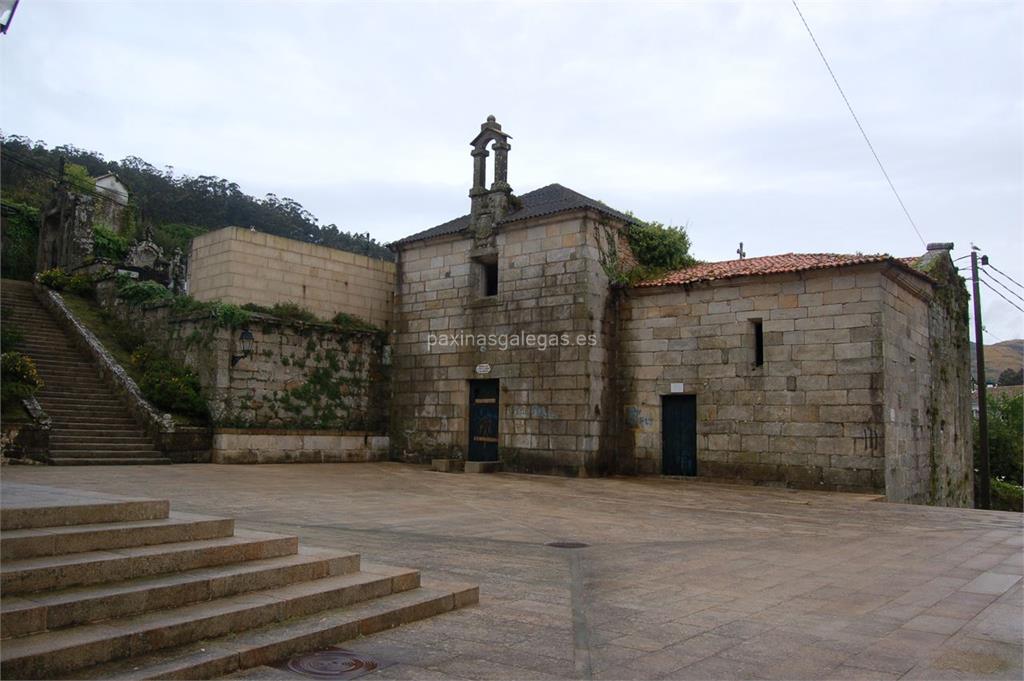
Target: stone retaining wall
[296,446]
[241,266]
[298,375]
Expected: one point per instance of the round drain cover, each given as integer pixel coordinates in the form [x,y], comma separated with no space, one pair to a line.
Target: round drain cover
[331,664]
[567,544]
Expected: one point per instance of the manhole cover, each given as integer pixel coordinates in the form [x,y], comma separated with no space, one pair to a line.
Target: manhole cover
[567,544]
[333,663]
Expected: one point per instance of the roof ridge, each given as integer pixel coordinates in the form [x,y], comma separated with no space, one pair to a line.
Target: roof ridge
[768,264]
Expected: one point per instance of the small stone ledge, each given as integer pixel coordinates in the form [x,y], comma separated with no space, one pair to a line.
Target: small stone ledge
[447,465]
[483,467]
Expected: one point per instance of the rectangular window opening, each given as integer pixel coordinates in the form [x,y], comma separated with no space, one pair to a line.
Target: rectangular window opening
[490,278]
[758,342]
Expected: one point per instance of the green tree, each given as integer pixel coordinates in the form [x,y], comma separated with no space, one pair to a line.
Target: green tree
[78,177]
[1005,437]
[1011,377]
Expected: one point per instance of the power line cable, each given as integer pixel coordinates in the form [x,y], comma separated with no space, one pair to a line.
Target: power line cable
[1003,273]
[55,177]
[991,288]
[859,126]
[989,277]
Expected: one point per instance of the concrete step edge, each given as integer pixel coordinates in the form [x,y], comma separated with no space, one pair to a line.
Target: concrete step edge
[71,607]
[57,653]
[51,541]
[21,577]
[273,643]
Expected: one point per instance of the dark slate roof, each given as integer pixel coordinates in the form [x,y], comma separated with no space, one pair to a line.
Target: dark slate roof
[548,200]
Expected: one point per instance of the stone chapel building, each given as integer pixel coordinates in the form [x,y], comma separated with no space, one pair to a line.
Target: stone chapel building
[514,344]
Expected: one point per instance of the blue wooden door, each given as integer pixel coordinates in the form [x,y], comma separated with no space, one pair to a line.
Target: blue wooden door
[483,420]
[679,435]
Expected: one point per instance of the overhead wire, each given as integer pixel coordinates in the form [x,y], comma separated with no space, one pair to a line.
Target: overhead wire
[991,266]
[988,277]
[51,174]
[859,126]
[993,289]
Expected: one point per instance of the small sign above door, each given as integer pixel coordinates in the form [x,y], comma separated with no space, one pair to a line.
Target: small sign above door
[677,388]
[483,368]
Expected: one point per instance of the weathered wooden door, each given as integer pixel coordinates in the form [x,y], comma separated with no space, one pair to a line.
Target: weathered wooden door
[483,420]
[679,435]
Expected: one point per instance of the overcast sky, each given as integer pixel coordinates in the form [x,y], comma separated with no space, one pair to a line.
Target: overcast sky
[716,115]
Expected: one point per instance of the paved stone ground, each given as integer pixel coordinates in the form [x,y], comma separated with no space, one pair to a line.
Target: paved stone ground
[682,579]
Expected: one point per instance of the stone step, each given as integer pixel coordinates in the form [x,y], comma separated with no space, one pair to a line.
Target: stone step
[72,607]
[100,452]
[274,643]
[73,509]
[70,413]
[68,445]
[91,437]
[57,393]
[89,425]
[55,347]
[55,654]
[53,541]
[108,461]
[76,399]
[98,567]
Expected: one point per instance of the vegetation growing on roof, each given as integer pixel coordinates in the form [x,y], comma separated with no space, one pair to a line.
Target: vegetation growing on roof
[657,249]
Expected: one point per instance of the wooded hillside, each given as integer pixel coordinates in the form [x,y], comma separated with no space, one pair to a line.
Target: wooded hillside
[176,207]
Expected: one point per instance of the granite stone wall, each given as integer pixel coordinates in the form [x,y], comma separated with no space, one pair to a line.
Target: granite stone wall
[927,408]
[552,401]
[810,416]
[236,265]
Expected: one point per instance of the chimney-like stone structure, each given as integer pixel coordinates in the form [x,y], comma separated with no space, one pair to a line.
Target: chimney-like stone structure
[489,205]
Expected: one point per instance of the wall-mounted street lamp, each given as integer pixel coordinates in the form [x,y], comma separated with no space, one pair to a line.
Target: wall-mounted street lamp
[246,340]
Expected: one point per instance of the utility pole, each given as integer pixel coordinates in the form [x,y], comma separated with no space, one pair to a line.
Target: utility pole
[979,348]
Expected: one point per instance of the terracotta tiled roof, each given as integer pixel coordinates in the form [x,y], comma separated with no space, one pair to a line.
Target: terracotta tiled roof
[772,264]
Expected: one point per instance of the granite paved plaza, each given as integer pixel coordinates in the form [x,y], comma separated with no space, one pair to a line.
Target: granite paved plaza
[682,579]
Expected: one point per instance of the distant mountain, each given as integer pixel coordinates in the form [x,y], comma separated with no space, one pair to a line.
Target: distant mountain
[1005,355]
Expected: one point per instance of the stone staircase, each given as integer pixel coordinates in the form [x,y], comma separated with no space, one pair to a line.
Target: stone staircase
[107,587]
[89,422]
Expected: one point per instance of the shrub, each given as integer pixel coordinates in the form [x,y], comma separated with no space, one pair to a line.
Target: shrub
[353,323]
[20,237]
[292,312]
[167,384]
[59,280]
[226,315]
[139,292]
[176,235]
[1006,496]
[660,247]
[18,376]
[109,244]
